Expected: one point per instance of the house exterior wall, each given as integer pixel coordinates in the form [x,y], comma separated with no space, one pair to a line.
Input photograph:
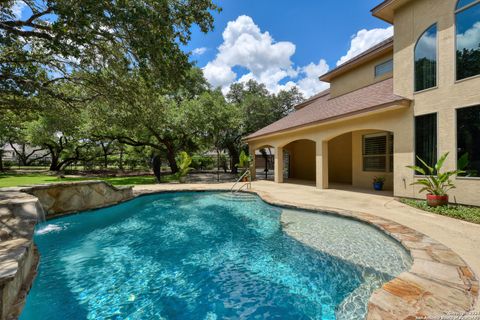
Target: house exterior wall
[410,22]
[340,159]
[359,77]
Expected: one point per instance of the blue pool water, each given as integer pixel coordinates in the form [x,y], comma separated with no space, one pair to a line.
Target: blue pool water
[194,256]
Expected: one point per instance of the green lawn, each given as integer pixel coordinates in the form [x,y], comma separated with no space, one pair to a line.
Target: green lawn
[18,179]
[471,214]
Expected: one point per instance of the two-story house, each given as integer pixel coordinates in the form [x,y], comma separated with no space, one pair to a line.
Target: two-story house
[416,94]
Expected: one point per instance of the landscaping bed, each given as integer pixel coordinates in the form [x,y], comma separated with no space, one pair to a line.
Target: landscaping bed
[467,213]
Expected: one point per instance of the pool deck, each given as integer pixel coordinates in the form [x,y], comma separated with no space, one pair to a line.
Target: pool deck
[439,280]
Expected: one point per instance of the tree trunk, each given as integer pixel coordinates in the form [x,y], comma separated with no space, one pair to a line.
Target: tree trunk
[157,168]
[120,160]
[234,158]
[54,164]
[1,161]
[172,162]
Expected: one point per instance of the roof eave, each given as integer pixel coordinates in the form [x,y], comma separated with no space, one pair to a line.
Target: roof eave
[381,107]
[384,11]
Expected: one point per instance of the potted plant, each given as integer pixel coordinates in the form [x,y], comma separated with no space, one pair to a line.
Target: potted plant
[184,168]
[244,164]
[378,183]
[435,182]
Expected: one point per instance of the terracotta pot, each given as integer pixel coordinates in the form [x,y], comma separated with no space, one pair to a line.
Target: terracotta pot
[435,201]
[182,179]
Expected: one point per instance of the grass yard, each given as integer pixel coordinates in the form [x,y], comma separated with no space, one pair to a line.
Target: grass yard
[470,214]
[17,179]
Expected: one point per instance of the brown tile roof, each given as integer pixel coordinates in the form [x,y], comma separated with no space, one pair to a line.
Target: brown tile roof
[309,100]
[322,108]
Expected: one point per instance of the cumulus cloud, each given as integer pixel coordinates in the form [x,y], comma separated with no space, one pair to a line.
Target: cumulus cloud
[17,8]
[269,62]
[365,39]
[266,60]
[199,51]
[310,84]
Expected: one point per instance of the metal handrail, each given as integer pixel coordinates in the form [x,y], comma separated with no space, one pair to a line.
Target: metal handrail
[248,184]
[240,179]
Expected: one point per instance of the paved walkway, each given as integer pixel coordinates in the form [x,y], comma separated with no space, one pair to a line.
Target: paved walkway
[462,237]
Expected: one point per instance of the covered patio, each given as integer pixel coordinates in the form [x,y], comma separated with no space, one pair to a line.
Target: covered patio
[343,142]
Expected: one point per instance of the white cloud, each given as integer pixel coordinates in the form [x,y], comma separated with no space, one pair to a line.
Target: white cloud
[365,39]
[470,39]
[266,61]
[310,84]
[199,51]
[17,8]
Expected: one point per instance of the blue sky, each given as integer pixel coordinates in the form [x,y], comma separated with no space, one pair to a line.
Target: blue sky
[317,29]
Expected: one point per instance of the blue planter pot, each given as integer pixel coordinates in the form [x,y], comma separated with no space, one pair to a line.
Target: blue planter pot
[378,186]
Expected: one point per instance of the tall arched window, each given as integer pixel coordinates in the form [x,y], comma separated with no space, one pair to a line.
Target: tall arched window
[426,60]
[468,38]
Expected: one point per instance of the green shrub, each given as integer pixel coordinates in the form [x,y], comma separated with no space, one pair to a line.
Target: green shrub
[202,162]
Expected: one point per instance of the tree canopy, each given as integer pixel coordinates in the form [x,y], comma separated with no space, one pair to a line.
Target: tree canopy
[54,38]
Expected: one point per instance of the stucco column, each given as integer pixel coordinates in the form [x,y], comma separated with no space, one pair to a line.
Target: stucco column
[253,168]
[322,164]
[279,165]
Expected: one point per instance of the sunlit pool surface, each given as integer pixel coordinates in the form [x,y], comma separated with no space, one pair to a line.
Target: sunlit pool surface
[203,256]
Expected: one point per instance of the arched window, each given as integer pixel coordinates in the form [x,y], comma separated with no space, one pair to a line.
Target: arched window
[468,38]
[426,60]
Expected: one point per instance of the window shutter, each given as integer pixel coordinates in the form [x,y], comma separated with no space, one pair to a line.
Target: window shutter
[375,152]
[375,145]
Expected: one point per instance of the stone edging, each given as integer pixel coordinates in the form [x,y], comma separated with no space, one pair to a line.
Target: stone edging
[439,282]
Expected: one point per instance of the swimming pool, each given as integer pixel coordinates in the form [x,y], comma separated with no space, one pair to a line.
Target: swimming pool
[203,256]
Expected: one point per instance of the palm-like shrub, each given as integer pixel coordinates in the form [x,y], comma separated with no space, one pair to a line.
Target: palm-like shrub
[244,160]
[435,182]
[184,162]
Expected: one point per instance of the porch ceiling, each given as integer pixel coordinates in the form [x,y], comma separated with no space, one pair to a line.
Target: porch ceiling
[323,108]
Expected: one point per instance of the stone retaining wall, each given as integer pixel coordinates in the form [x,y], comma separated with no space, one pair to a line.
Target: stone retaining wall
[69,197]
[20,209]
[18,255]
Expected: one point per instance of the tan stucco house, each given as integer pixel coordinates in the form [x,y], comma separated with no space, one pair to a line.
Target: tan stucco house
[416,94]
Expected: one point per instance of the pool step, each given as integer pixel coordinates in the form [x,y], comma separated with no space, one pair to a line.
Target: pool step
[238,196]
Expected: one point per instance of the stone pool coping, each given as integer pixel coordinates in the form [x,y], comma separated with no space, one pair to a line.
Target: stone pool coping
[439,281]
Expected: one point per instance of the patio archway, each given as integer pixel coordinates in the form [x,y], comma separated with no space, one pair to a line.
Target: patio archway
[264,163]
[299,162]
